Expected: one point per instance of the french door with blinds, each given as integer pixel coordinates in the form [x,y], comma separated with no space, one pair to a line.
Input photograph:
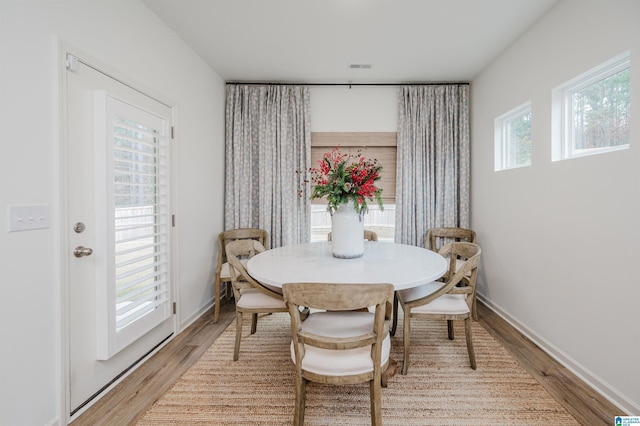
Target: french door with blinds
[134,281]
[118,228]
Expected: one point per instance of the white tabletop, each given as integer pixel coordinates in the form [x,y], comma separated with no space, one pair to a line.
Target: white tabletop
[402,265]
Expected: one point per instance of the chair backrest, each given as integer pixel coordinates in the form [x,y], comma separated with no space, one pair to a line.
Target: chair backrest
[240,278]
[438,237]
[225,237]
[368,235]
[469,253]
[338,297]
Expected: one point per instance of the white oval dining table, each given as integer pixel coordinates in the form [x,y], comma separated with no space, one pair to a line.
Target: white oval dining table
[402,265]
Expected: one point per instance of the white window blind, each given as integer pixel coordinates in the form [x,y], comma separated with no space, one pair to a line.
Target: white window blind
[135,274]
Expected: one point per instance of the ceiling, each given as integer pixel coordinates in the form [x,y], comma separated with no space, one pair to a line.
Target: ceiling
[317,41]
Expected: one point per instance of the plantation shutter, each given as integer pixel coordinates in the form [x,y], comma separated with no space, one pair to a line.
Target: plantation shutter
[134,284]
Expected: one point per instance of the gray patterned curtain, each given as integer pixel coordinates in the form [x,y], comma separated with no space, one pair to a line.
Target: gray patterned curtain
[432,176]
[267,145]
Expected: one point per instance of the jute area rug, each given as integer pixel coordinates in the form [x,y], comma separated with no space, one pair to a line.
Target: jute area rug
[439,389]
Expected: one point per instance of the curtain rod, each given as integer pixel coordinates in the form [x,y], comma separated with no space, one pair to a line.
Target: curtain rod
[347,84]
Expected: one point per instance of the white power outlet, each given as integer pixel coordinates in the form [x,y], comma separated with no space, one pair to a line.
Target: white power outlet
[27,217]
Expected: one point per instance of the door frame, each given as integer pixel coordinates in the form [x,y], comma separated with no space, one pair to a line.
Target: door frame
[64,255]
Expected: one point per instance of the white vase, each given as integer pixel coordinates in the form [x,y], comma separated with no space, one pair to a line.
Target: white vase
[347,232]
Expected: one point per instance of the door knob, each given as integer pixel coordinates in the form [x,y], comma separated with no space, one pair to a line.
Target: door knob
[81,251]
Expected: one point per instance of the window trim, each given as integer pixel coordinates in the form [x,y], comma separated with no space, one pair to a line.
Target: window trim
[502,144]
[562,108]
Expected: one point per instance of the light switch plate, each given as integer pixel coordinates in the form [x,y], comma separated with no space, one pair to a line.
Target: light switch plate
[27,217]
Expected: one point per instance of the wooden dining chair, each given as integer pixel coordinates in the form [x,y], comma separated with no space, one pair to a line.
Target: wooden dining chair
[339,345]
[251,297]
[445,301]
[436,238]
[368,235]
[223,274]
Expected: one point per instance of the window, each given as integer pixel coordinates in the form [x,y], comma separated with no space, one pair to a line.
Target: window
[591,112]
[513,138]
[380,145]
[382,222]
[133,281]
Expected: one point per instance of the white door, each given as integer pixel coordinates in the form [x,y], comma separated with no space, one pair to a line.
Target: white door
[118,254]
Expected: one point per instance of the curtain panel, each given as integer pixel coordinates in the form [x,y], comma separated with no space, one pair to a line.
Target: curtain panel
[267,154]
[432,175]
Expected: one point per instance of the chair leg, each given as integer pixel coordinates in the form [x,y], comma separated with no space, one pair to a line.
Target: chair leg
[216,295]
[406,333]
[394,320]
[229,292]
[472,354]
[236,349]
[374,394]
[254,323]
[385,374]
[301,390]
[450,331]
[474,309]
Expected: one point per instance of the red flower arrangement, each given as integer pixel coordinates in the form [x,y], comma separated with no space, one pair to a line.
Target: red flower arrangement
[343,177]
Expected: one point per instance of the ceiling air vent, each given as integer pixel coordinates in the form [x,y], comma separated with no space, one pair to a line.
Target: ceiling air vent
[360,66]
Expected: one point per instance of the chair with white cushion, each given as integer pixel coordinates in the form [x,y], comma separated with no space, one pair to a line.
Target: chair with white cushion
[444,301]
[436,238]
[339,345]
[223,274]
[251,297]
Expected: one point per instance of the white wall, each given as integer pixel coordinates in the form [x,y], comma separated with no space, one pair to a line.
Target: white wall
[355,109]
[560,240]
[129,38]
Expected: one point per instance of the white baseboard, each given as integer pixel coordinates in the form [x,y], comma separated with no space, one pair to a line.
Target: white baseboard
[194,316]
[626,406]
[53,422]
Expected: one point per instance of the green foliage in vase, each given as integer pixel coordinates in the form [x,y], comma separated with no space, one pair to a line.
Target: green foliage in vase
[342,178]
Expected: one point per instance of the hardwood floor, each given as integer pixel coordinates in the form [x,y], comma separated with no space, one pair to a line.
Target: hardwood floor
[129,400]
[134,395]
[587,406]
